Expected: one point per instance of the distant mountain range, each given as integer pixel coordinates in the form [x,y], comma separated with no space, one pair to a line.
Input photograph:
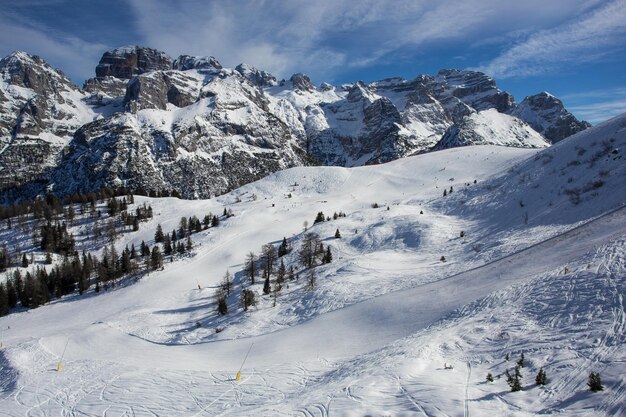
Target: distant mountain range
[189,125]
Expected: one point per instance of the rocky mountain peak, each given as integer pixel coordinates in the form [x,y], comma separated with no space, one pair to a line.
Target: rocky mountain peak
[256,76]
[475,89]
[30,71]
[187,62]
[128,61]
[301,82]
[547,115]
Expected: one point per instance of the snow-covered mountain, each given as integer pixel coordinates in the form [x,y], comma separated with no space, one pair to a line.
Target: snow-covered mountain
[189,125]
[425,296]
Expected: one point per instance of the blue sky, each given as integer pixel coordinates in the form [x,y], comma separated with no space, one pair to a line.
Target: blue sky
[575,49]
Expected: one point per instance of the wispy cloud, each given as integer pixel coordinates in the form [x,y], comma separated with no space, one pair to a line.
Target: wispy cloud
[323,36]
[64,51]
[597,105]
[599,35]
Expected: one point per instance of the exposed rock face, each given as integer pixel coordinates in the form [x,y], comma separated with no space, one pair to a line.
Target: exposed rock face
[546,114]
[230,141]
[106,87]
[301,82]
[201,129]
[489,127]
[154,90]
[129,61]
[475,89]
[187,62]
[39,111]
[256,76]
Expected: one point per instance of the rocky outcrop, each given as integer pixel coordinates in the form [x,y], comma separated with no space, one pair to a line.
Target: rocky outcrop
[156,89]
[195,127]
[256,76]
[475,89]
[489,127]
[129,61]
[547,115]
[187,62]
[106,87]
[301,82]
[40,109]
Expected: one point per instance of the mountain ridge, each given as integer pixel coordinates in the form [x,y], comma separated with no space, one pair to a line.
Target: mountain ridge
[192,116]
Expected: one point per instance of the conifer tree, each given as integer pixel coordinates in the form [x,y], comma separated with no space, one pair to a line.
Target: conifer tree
[227,283]
[266,284]
[328,256]
[540,379]
[247,299]
[4,300]
[489,377]
[520,361]
[281,273]
[156,259]
[167,245]
[251,266]
[222,306]
[268,256]
[337,234]
[158,235]
[283,249]
[594,382]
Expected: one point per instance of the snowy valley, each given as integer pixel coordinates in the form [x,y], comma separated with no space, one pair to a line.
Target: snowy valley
[447,267]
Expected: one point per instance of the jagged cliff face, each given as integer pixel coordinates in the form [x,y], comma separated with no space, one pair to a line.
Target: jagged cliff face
[40,109]
[546,114]
[190,125]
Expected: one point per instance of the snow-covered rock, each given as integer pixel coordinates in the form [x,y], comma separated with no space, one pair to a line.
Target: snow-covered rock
[546,114]
[354,124]
[489,127]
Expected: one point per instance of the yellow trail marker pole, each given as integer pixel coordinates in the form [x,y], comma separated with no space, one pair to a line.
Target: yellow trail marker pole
[238,376]
[60,364]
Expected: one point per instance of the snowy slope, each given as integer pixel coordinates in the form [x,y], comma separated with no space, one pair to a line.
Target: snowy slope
[386,314]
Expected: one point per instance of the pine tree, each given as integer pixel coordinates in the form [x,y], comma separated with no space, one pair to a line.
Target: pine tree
[251,266]
[189,244]
[281,273]
[308,250]
[540,379]
[156,259]
[4,300]
[24,261]
[227,283]
[337,234]
[595,383]
[283,249]
[247,299]
[319,218]
[216,221]
[311,278]
[167,245]
[445,193]
[222,306]
[266,284]
[520,361]
[489,377]
[328,256]
[158,235]
[268,256]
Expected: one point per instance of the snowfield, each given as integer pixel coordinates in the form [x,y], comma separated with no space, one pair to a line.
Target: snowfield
[540,270]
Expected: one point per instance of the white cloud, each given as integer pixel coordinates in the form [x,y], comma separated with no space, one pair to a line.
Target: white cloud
[597,105]
[597,36]
[69,53]
[323,36]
